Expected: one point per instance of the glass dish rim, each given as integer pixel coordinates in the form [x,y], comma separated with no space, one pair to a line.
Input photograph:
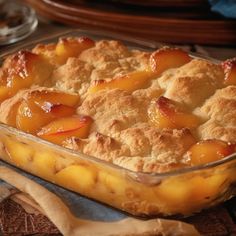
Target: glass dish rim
[142,44]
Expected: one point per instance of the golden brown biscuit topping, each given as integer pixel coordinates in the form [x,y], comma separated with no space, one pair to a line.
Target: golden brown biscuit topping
[150,112]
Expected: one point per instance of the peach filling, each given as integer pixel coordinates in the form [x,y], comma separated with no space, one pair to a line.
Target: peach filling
[165,113]
[176,194]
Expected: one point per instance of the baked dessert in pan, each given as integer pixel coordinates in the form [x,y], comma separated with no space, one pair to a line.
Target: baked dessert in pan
[147,112]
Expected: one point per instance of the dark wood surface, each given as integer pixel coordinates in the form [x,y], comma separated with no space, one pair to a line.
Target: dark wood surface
[219,221]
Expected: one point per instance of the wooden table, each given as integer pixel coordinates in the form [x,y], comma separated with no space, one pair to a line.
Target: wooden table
[219,221]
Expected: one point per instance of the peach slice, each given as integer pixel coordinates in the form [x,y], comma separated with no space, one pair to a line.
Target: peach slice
[4,90]
[229,67]
[41,107]
[207,151]
[11,117]
[204,188]
[30,117]
[61,110]
[45,98]
[72,47]
[63,162]
[197,189]
[173,191]
[129,82]
[5,93]
[165,113]
[59,130]
[113,184]
[77,177]
[44,164]
[167,58]
[19,153]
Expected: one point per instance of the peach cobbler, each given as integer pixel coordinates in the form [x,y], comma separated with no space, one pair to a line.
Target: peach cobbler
[149,112]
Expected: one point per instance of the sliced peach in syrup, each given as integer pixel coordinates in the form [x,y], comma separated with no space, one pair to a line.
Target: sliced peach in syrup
[128,82]
[207,151]
[72,47]
[77,177]
[30,117]
[165,113]
[167,58]
[229,67]
[59,130]
[43,98]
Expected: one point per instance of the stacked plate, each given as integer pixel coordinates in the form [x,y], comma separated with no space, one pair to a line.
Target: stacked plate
[165,3]
[165,21]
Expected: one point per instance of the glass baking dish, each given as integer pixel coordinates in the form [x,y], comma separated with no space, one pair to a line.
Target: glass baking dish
[180,192]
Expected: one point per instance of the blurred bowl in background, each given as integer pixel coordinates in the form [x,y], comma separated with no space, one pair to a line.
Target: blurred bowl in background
[17,21]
